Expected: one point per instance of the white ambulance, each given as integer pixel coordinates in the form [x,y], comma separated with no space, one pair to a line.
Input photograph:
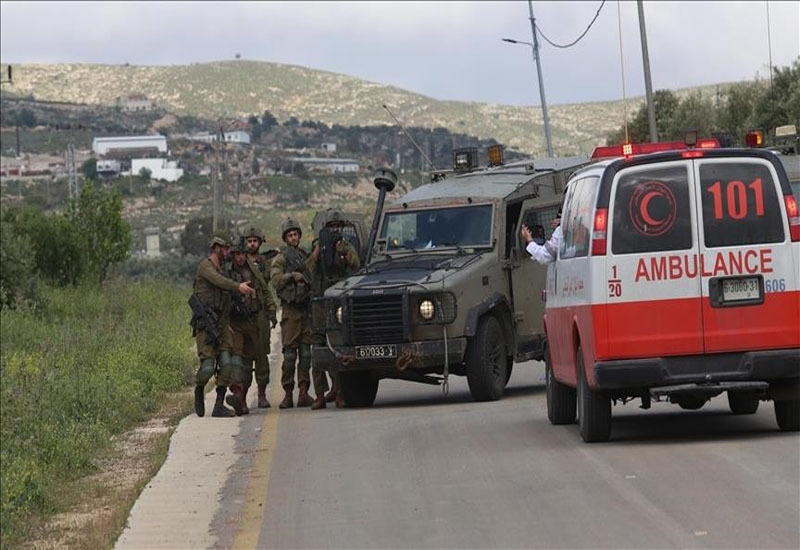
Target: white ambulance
[678,278]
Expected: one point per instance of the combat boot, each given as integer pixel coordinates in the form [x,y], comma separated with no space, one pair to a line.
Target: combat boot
[319,403]
[220,410]
[330,397]
[262,397]
[287,402]
[303,399]
[245,389]
[199,400]
[236,400]
[340,404]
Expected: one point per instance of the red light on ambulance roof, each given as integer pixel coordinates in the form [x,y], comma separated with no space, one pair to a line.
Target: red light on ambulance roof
[708,143]
[632,149]
[754,138]
[693,154]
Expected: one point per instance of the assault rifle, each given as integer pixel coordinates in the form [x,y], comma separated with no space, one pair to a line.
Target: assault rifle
[239,306]
[204,319]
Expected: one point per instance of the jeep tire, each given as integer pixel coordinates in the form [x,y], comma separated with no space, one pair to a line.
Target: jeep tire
[787,413]
[594,408]
[487,362]
[358,388]
[561,399]
[742,402]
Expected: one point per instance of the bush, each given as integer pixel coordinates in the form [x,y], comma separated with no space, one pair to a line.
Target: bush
[92,364]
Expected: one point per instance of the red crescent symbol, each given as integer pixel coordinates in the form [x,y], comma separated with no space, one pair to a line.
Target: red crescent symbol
[643,209]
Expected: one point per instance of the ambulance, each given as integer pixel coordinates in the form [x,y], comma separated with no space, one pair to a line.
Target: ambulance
[677,279]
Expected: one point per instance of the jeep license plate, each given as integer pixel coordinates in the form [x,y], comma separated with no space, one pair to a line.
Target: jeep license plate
[741,289]
[376,352]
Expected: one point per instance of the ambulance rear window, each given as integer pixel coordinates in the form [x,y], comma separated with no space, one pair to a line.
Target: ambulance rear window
[652,211]
[740,204]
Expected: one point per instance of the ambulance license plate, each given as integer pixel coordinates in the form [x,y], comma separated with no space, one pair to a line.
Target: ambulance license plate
[376,352]
[741,289]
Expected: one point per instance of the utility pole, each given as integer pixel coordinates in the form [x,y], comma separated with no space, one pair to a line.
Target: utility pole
[648,86]
[214,189]
[72,173]
[536,58]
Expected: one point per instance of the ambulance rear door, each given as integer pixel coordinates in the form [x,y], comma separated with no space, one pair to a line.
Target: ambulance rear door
[749,270]
[652,288]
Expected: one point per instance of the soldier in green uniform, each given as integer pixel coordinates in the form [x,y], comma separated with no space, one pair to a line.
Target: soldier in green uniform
[291,279]
[212,288]
[252,326]
[332,259]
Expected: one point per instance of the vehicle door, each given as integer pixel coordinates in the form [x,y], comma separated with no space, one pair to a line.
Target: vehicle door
[528,276]
[651,277]
[749,272]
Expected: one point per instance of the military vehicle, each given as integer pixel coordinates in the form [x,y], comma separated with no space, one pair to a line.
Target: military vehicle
[447,286]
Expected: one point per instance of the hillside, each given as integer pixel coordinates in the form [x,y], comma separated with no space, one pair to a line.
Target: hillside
[236,88]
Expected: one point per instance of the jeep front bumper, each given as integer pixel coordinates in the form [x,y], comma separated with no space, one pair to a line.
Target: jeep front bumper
[412,355]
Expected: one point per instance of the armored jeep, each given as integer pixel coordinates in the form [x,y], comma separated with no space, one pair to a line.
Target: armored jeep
[447,286]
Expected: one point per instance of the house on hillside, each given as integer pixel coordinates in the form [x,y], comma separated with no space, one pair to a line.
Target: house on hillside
[134,103]
[327,166]
[127,145]
[160,168]
[236,136]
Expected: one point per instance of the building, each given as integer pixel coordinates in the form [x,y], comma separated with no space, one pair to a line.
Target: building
[328,166]
[237,136]
[152,242]
[102,146]
[134,103]
[328,147]
[109,167]
[160,168]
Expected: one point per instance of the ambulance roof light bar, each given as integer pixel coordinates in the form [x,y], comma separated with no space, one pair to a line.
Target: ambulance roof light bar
[632,149]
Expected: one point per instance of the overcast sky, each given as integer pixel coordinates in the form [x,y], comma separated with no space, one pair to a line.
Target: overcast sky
[449,50]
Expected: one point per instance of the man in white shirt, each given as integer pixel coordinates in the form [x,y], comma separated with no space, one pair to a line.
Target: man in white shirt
[543,253]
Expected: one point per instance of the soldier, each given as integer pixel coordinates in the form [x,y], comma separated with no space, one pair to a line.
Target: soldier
[211,305]
[333,259]
[252,330]
[291,279]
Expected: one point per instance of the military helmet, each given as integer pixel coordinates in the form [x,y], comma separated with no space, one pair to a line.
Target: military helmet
[253,232]
[221,238]
[334,215]
[288,225]
[238,245]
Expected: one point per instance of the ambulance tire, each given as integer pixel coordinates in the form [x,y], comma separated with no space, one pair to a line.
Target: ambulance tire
[594,409]
[787,413]
[359,388]
[486,361]
[742,402]
[561,399]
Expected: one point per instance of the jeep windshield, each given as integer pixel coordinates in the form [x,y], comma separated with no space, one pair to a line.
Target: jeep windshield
[436,228]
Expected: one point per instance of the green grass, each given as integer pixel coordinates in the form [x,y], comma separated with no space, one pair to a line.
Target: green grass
[91,363]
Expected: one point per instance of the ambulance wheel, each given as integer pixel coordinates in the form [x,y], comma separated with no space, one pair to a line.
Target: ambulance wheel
[487,362]
[594,409]
[359,388]
[561,399]
[742,402]
[787,413]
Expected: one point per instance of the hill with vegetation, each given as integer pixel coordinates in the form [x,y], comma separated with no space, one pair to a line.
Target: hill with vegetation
[240,88]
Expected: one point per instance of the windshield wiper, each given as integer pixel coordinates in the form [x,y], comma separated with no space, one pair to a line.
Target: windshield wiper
[457,246]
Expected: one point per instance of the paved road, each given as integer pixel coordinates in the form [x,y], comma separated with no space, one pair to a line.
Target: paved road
[422,470]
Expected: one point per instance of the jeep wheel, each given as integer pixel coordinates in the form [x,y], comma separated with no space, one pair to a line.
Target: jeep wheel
[359,388]
[787,413]
[487,361]
[594,409]
[561,399]
[742,402]
[509,368]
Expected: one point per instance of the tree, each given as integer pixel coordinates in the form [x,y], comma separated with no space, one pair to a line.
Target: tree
[89,169]
[780,103]
[104,236]
[27,118]
[54,244]
[735,116]
[664,103]
[255,168]
[145,174]
[268,121]
[694,112]
[195,236]
[16,264]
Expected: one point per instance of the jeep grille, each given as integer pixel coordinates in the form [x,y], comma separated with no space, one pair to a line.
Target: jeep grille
[377,319]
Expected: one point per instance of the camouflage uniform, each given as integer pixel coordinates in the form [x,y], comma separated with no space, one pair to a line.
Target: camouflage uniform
[212,287]
[296,336]
[345,262]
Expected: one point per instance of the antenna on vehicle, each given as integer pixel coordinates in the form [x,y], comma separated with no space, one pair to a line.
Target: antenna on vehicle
[421,152]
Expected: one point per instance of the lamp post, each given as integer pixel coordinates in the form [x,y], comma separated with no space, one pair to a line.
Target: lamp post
[535,51]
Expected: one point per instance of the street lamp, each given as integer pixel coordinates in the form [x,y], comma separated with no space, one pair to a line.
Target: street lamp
[535,51]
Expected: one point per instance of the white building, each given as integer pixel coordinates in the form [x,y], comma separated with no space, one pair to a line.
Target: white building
[134,103]
[330,166]
[104,145]
[108,167]
[237,136]
[160,168]
[329,147]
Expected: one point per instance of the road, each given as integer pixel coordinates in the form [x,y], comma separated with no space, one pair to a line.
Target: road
[420,470]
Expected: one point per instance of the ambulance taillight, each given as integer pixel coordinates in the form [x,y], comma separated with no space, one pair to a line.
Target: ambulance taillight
[599,232]
[794,217]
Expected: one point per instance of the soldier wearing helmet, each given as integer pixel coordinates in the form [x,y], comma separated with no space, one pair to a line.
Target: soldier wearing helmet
[212,287]
[251,327]
[332,260]
[291,279]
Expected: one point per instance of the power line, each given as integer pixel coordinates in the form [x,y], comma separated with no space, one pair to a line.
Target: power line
[538,28]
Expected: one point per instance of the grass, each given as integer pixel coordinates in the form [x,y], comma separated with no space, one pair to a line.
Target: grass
[92,363]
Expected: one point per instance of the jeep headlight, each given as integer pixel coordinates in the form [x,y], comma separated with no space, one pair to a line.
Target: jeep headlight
[339,314]
[427,310]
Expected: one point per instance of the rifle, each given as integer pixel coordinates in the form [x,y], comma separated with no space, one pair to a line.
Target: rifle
[239,306]
[328,240]
[296,263]
[204,319]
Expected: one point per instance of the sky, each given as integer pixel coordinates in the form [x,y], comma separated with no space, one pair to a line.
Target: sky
[445,50]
